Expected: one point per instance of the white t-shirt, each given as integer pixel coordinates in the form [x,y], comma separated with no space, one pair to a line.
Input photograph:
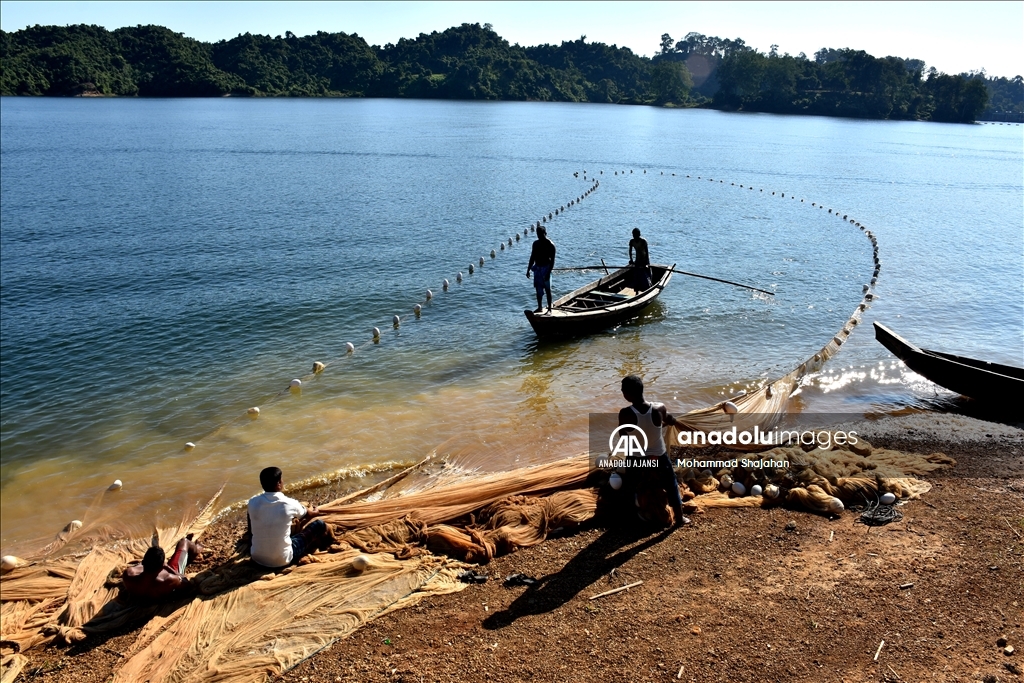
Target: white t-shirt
[270,516]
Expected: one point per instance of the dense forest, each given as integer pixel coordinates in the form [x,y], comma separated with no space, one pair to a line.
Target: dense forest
[473,62]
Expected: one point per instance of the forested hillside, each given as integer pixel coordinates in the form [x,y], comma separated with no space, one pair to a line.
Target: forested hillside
[473,62]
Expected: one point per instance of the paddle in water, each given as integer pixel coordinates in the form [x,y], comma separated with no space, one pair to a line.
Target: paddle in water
[681,272]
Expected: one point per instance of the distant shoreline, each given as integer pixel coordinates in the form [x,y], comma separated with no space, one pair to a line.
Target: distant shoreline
[472,62]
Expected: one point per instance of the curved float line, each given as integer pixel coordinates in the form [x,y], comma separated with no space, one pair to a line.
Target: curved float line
[772,396]
[273,398]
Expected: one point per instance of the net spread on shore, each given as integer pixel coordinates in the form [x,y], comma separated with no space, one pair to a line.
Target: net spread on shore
[246,623]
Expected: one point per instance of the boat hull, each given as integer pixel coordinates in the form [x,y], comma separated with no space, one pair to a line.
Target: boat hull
[976,379]
[598,305]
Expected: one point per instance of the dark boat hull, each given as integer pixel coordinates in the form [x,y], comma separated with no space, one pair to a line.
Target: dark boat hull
[598,305]
[977,379]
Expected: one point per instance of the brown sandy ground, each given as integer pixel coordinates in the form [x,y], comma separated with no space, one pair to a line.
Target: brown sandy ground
[736,596]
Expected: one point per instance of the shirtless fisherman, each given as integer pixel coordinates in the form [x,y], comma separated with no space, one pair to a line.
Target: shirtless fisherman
[154,578]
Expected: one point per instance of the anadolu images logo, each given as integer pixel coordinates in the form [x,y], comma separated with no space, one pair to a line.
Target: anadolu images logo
[627,445]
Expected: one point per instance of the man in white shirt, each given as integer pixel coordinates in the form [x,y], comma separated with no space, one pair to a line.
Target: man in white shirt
[270,523]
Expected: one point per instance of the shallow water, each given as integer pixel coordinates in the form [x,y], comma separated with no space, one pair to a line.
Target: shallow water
[167,264]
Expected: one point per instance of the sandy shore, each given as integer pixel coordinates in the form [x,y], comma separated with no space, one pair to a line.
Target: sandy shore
[738,595]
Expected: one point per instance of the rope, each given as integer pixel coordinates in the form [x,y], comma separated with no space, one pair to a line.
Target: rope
[880,515]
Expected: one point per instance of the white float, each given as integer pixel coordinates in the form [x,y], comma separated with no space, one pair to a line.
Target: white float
[116,486]
[888,498]
[615,481]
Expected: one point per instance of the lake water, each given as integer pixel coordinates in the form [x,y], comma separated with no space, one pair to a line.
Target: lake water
[167,264]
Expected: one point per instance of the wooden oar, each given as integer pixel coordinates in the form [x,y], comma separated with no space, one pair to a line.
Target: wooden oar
[681,272]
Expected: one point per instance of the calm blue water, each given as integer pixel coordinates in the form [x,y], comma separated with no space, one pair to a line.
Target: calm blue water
[167,264]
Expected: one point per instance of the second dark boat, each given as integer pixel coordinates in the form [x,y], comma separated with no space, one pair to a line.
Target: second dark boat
[977,379]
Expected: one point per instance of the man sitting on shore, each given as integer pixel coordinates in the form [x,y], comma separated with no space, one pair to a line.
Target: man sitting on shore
[155,579]
[270,518]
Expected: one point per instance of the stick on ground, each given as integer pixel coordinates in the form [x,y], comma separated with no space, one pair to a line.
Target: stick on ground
[616,590]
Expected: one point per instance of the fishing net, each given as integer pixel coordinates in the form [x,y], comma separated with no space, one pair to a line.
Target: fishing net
[246,623]
[822,480]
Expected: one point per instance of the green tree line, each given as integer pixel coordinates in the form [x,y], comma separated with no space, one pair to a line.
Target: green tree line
[473,62]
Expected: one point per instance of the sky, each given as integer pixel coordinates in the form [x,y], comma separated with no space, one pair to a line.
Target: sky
[954,37]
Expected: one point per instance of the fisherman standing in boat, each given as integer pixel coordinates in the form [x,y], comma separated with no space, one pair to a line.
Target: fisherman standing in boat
[542,260]
[642,263]
[652,418]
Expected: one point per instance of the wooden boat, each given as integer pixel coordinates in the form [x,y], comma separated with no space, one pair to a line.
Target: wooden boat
[599,305]
[977,379]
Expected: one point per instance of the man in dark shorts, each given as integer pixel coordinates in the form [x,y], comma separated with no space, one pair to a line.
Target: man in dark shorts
[270,517]
[155,579]
[642,264]
[652,418]
[542,260]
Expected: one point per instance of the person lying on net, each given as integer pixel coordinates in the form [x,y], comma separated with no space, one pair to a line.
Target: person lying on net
[156,579]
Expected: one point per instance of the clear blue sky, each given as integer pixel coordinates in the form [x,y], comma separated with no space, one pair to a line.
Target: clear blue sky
[951,36]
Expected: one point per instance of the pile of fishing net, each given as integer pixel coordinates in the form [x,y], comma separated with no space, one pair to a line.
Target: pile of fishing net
[823,480]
